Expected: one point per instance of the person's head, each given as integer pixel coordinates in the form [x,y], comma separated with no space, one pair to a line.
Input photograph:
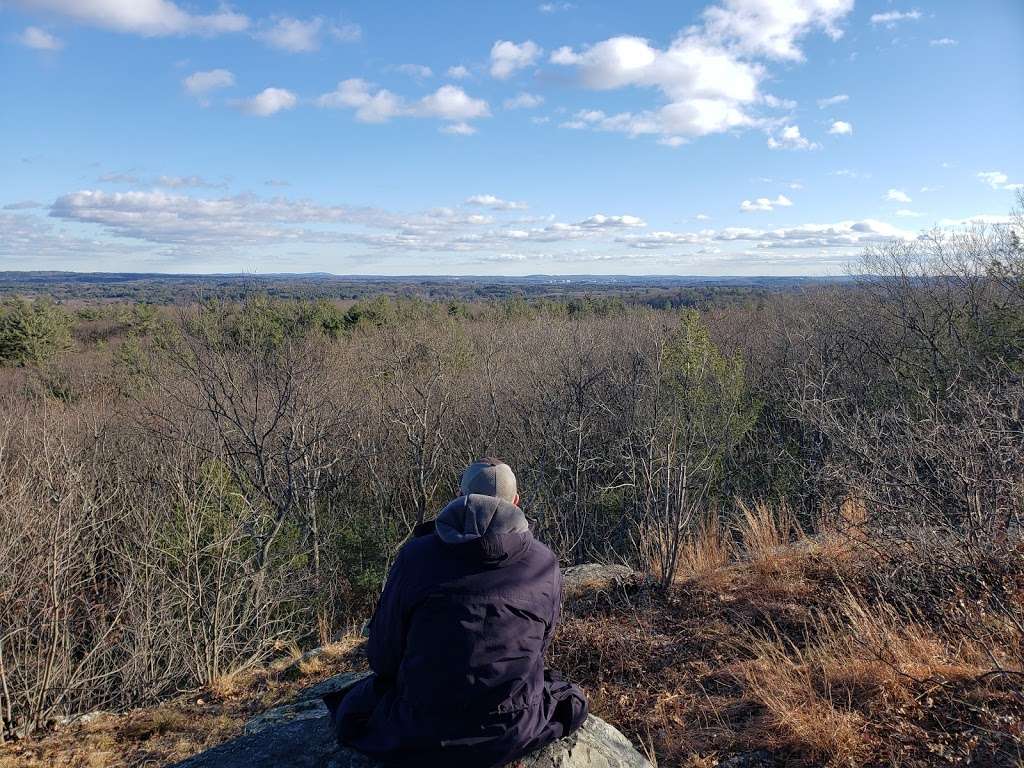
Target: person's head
[490,477]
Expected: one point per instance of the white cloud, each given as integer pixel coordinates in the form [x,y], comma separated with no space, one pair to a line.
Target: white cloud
[673,141]
[305,36]
[293,35]
[702,217]
[842,234]
[944,41]
[555,7]
[600,221]
[772,28]
[346,33]
[449,102]
[897,196]
[907,213]
[200,84]
[268,102]
[689,69]
[708,74]
[831,101]
[246,220]
[524,100]
[891,18]
[998,180]
[495,203]
[39,241]
[161,217]
[371,106]
[458,72]
[850,173]
[841,128]
[180,228]
[790,138]
[508,57]
[40,40]
[22,205]
[458,129]
[416,71]
[930,189]
[776,103]
[650,241]
[150,18]
[677,121]
[765,204]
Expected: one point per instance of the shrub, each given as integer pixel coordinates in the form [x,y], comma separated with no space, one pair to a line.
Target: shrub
[32,331]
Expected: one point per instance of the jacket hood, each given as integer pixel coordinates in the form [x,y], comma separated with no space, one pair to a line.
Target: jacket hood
[476,516]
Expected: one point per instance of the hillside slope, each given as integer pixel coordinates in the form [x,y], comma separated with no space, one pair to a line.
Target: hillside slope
[814,652]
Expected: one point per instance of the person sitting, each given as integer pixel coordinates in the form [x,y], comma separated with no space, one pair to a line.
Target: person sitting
[457,641]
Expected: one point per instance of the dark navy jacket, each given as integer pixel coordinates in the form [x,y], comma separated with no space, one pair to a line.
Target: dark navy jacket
[457,647]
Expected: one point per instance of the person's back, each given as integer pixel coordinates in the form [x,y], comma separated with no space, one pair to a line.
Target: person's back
[458,640]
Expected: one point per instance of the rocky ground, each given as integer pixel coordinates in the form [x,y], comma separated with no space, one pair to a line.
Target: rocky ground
[786,656]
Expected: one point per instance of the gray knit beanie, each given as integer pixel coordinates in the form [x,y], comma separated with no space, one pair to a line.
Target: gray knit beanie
[490,477]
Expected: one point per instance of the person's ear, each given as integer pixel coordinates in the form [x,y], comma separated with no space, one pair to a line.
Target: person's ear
[516,500]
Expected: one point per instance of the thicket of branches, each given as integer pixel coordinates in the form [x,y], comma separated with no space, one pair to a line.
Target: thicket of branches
[186,489]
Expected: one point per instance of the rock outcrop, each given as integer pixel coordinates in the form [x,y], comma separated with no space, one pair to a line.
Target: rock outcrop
[592,577]
[298,735]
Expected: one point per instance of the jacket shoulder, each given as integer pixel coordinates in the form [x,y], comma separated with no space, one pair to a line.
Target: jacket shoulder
[542,553]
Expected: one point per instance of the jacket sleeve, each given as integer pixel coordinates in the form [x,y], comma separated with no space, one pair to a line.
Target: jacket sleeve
[556,607]
[387,627]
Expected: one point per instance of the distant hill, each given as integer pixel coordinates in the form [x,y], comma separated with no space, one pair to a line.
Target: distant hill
[157,287]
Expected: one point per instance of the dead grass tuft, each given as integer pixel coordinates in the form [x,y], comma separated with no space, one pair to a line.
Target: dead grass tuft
[765,531]
[707,549]
[182,727]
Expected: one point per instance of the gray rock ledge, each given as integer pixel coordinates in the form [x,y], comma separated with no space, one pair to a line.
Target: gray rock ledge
[298,735]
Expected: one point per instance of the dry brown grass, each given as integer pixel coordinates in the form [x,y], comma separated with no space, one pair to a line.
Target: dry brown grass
[764,529]
[791,647]
[179,728]
[818,699]
[708,548]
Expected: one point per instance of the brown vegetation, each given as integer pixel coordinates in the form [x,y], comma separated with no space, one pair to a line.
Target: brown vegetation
[825,483]
[187,723]
[804,651]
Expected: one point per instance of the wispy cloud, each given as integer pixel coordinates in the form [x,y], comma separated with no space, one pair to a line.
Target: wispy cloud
[524,100]
[791,138]
[891,18]
[831,101]
[765,204]
[40,40]
[379,105]
[999,180]
[149,18]
[496,203]
[508,57]
[268,102]
[202,84]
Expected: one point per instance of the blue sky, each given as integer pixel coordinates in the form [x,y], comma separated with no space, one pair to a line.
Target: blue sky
[763,137]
